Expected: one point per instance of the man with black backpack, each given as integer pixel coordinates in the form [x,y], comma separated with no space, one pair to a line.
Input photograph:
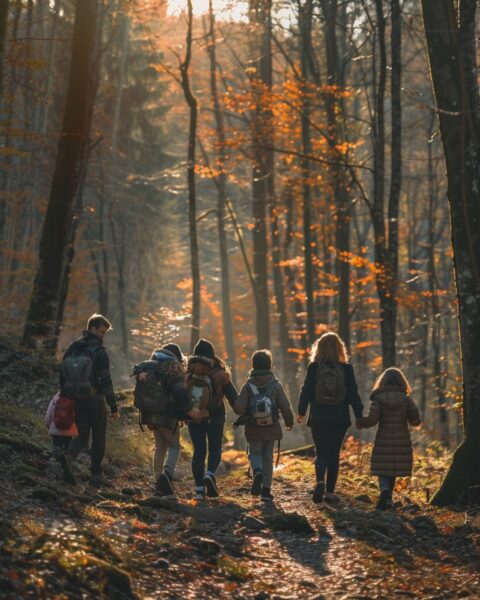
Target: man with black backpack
[85,377]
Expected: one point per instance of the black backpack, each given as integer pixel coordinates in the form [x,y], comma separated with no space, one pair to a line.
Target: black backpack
[77,372]
[330,388]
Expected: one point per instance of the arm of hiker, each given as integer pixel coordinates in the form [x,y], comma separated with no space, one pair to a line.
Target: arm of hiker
[285,408]
[413,415]
[372,418]
[50,412]
[105,385]
[307,392]
[241,405]
[352,393]
[183,405]
[230,391]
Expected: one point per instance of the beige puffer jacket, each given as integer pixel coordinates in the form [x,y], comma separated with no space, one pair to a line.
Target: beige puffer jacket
[393,410]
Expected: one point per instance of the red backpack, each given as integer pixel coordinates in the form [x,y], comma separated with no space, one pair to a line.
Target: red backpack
[64,413]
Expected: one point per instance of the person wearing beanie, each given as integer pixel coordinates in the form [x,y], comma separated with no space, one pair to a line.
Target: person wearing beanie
[262,429]
[167,443]
[210,429]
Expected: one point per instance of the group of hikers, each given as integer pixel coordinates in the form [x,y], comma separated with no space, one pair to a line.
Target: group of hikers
[171,389]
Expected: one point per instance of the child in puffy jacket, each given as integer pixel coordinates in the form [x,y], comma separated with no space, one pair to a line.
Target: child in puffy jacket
[393,410]
[262,422]
[60,420]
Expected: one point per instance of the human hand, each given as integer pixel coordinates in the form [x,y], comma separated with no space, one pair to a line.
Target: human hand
[195,414]
[300,419]
[288,428]
[114,415]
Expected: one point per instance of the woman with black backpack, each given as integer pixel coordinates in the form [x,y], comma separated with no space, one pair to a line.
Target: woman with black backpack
[218,386]
[329,390]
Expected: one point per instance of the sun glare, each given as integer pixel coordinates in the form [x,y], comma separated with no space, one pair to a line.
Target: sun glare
[228,10]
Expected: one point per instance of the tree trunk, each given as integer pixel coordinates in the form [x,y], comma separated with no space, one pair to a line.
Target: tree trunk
[221,199]
[54,244]
[192,210]
[3,38]
[450,35]
[260,18]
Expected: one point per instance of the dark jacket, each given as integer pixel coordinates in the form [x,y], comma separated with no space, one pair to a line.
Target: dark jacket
[253,432]
[101,366]
[393,410]
[330,414]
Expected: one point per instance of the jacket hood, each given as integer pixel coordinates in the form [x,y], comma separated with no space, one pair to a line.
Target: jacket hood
[390,395]
[261,378]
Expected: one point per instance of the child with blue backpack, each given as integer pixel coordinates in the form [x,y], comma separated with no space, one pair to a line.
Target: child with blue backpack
[261,401]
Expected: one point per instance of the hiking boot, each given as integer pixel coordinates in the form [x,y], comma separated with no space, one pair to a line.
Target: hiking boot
[318,493]
[163,486]
[257,482]
[210,486]
[265,495]
[98,480]
[384,501]
[67,468]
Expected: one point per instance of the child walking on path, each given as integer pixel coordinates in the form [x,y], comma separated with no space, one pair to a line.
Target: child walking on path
[261,400]
[60,420]
[329,390]
[393,409]
[210,428]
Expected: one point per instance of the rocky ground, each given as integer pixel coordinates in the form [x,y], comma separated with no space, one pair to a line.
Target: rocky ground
[59,541]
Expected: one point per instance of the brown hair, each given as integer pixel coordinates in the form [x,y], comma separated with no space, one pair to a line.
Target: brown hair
[97,320]
[262,360]
[392,377]
[329,347]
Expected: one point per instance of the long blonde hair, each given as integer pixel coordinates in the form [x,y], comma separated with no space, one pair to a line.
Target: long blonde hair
[393,377]
[329,347]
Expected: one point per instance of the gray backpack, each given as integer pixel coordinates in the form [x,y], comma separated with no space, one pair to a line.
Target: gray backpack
[262,408]
[330,388]
[77,374]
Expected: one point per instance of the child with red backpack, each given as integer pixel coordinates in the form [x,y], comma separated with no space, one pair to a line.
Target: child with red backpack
[60,420]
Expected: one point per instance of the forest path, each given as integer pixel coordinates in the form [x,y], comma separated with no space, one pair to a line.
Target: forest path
[120,542]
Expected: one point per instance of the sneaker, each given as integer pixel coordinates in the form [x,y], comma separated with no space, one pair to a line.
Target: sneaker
[257,482]
[199,495]
[384,501]
[318,493]
[210,486]
[332,498]
[163,486]
[265,495]
[67,468]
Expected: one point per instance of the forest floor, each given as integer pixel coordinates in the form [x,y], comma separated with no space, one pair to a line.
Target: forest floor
[59,541]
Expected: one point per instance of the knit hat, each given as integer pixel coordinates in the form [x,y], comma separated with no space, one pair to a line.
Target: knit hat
[175,349]
[204,348]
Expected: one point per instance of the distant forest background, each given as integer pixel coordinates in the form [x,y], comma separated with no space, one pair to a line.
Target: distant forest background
[319,198]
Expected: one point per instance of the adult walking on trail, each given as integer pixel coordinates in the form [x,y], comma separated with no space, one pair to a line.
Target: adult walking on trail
[329,390]
[85,377]
[208,385]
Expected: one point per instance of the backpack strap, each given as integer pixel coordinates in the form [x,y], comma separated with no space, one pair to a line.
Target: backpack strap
[253,387]
[278,455]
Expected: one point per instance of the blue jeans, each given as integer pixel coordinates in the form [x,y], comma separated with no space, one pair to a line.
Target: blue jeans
[386,483]
[260,454]
[200,433]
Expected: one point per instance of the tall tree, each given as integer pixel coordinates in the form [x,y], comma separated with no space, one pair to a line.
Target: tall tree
[450,35]
[41,325]
[3,36]
[192,200]
[261,81]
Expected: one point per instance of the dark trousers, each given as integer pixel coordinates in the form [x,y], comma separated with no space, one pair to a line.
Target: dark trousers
[90,416]
[201,433]
[60,444]
[328,439]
